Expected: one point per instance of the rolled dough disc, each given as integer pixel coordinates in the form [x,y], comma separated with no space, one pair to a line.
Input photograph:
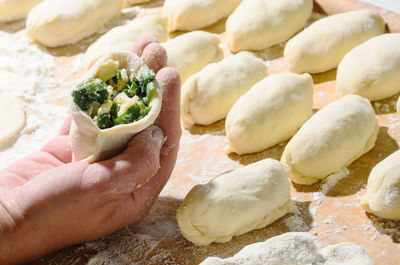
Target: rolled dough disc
[12,118]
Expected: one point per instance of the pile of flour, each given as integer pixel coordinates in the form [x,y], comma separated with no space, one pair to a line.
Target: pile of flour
[27,72]
[295,248]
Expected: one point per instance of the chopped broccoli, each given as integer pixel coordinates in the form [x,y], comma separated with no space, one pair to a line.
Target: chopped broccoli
[95,92]
[131,115]
[105,121]
[90,92]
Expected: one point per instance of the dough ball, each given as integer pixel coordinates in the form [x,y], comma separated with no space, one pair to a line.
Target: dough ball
[235,203]
[56,23]
[12,119]
[269,113]
[190,52]
[321,46]
[16,9]
[208,95]
[194,14]
[372,69]
[259,24]
[383,189]
[123,38]
[330,140]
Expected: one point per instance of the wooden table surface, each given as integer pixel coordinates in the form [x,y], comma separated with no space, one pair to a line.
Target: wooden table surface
[333,218]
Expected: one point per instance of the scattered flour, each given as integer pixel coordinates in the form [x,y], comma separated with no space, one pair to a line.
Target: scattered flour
[27,72]
[295,248]
[329,183]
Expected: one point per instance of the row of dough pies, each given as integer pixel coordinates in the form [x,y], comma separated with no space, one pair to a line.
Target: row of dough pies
[261,111]
[264,111]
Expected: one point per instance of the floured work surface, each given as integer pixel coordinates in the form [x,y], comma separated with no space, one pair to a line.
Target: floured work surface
[328,210]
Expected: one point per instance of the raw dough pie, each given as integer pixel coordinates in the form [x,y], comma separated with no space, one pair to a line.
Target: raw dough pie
[90,142]
[190,52]
[16,9]
[208,95]
[383,189]
[321,46]
[235,203]
[194,14]
[372,69]
[122,38]
[269,113]
[56,23]
[259,24]
[330,140]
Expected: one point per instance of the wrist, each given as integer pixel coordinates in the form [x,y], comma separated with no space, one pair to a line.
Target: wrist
[17,235]
[8,228]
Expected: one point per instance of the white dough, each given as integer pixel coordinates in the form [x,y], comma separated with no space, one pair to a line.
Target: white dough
[190,52]
[330,140]
[16,9]
[135,2]
[93,144]
[12,118]
[194,14]
[56,23]
[122,38]
[372,69]
[235,203]
[294,248]
[383,189]
[269,113]
[208,95]
[321,46]
[259,24]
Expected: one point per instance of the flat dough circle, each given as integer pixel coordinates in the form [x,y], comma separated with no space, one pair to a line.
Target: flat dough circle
[12,118]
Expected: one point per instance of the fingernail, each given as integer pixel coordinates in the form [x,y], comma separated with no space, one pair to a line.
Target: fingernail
[157,136]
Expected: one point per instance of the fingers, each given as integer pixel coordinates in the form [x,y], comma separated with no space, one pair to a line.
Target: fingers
[136,206]
[169,122]
[138,163]
[60,148]
[141,43]
[66,126]
[155,56]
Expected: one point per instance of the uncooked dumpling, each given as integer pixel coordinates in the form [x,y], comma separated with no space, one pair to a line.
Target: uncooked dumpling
[235,203]
[194,14]
[56,23]
[321,46]
[16,9]
[269,113]
[208,95]
[12,118]
[106,109]
[190,52]
[383,189]
[330,140]
[122,38]
[259,24]
[372,69]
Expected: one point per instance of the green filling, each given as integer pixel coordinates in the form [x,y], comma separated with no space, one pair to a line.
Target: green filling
[90,92]
[102,99]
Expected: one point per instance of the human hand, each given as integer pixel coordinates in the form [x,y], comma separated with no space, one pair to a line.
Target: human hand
[48,202]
